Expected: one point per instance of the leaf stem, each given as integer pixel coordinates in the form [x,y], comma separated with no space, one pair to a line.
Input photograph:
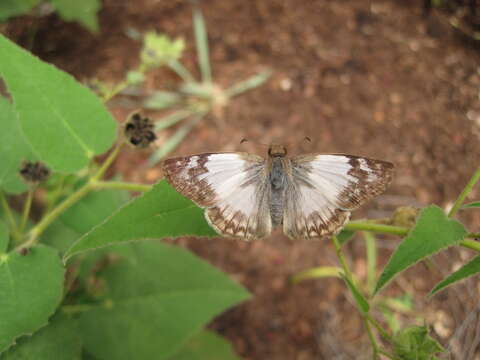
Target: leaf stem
[181,71]
[377,228]
[106,164]
[461,198]
[372,339]
[39,228]
[26,209]
[8,211]
[120,185]
[379,327]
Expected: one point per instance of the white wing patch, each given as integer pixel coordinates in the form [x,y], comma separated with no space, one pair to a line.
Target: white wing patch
[323,189]
[231,186]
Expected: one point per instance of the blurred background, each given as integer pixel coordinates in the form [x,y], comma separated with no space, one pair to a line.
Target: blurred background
[397,81]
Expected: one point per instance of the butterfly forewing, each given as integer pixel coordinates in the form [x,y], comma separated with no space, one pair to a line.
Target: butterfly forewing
[323,189]
[233,187]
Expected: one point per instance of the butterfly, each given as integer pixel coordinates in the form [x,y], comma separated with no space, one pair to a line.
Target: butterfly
[246,196]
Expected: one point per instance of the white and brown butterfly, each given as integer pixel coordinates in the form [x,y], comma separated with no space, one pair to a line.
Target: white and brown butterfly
[247,196]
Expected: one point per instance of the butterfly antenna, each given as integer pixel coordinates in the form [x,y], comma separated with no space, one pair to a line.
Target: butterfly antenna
[253,142]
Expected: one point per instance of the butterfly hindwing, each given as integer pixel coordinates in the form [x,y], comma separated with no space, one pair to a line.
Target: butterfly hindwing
[323,189]
[233,187]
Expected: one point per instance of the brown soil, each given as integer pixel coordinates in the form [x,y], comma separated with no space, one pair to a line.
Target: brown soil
[372,78]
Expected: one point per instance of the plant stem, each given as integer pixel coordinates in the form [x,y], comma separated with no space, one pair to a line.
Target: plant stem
[181,71]
[119,185]
[371,249]
[470,244]
[50,217]
[366,316]
[377,228]
[26,209]
[8,211]
[106,164]
[38,229]
[468,188]
[372,339]
[379,327]
[74,309]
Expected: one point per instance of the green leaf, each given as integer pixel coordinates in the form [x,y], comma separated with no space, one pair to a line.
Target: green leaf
[4,237]
[59,236]
[415,343]
[467,270]
[9,8]
[63,121]
[344,236]
[158,213]
[84,12]
[433,232]
[362,303]
[206,345]
[161,100]
[31,286]
[472,205]
[59,340]
[157,297]
[93,209]
[13,149]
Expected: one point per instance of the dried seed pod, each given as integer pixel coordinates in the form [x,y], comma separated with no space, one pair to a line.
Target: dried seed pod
[139,131]
[34,172]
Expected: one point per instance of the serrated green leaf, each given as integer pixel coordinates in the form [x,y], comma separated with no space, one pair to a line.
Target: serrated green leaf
[433,232]
[361,301]
[472,205]
[9,8]
[58,340]
[84,12]
[158,213]
[93,209]
[414,342]
[63,121]
[206,345]
[31,287]
[13,149]
[467,270]
[4,237]
[157,297]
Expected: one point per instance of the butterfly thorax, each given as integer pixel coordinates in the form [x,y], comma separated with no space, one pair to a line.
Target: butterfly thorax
[278,185]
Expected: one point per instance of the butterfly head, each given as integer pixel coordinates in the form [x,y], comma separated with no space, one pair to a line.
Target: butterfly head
[277,151]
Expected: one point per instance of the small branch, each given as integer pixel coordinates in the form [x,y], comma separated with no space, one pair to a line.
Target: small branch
[38,229]
[181,71]
[106,164]
[379,327]
[8,211]
[461,198]
[26,209]
[377,228]
[119,185]
[372,339]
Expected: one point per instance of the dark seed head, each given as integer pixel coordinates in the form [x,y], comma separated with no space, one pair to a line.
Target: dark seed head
[23,251]
[139,131]
[34,172]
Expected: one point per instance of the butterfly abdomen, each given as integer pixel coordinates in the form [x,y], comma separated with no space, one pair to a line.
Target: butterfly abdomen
[278,184]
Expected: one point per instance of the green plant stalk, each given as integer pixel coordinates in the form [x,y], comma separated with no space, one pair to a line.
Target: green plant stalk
[40,227]
[366,317]
[26,209]
[377,228]
[8,211]
[120,185]
[372,339]
[172,119]
[248,84]
[468,188]
[379,327]
[181,71]
[201,42]
[371,250]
